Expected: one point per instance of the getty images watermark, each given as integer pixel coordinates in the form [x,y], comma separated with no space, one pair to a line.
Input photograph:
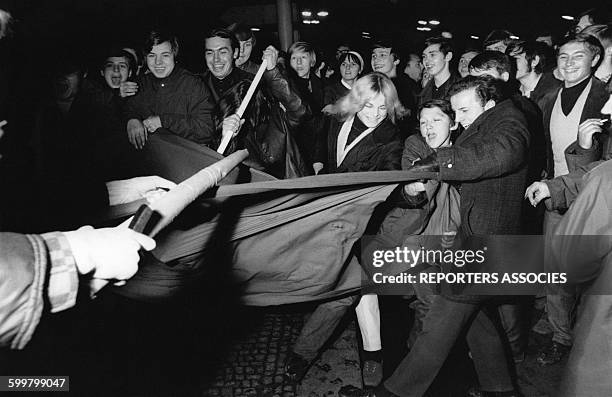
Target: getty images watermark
[494,265]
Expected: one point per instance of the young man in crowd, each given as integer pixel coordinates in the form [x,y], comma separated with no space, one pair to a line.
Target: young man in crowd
[247,41]
[311,137]
[105,96]
[386,59]
[221,50]
[498,40]
[437,56]
[489,159]
[169,98]
[514,311]
[566,112]
[534,70]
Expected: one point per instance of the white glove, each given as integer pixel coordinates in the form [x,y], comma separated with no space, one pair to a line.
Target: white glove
[109,253]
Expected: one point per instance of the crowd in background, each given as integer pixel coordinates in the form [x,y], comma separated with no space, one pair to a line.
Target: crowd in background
[516,130]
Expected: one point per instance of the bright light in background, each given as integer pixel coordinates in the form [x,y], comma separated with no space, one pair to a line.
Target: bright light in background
[447,35]
[306,21]
[255,29]
[426,29]
[421,22]
[514,37]
[434,22]
[322,13]
[474,37]
[567,17]
[315,22]
[306,13]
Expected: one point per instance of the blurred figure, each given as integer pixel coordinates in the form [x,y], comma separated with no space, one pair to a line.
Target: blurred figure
[592,16]
[497,40]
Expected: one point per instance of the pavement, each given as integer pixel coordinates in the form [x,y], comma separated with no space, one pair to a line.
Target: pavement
[120,348]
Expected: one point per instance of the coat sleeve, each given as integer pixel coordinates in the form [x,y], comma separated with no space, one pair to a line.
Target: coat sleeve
[578,157]
[295,109]
[26,263]
[196,121]
[495,153]
[584,237]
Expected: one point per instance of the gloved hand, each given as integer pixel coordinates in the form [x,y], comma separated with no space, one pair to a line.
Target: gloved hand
[109,253]
[429,164]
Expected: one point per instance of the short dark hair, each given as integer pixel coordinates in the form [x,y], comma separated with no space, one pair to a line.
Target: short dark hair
[242,32]
[491,60]
[592,44]
[441,104]
[224,34]
[118,52]
[157,37]
[486,87]
[386,43]
[531,49]
[445,44]
[496,36]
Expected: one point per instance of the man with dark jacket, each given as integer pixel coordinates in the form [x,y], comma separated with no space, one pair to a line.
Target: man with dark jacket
[169,98]
[221,50]
[437,56]
[565,111]
[489,159]
[533,70]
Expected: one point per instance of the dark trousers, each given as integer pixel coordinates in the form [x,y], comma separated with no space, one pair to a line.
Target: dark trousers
[442,326]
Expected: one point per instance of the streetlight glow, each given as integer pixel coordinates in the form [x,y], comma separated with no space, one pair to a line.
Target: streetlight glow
[567,17]
[322,13]
[421,22]
[306,13]
[434,22]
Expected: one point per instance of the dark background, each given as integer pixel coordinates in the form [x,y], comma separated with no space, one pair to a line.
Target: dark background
[47,29]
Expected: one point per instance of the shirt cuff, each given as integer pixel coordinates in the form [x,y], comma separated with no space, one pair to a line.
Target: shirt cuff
[63,274]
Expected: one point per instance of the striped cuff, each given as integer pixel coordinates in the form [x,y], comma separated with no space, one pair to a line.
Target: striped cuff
[63,274]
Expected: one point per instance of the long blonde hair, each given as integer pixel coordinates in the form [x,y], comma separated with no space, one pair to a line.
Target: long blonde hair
[364,89]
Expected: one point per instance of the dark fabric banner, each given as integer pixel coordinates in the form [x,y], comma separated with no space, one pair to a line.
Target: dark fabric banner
[278,241]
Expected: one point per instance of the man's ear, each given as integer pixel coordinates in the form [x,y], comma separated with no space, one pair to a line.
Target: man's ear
[595,60]
[490,104]
[448,56]
[505,76]
[396,60]
[535,62]
[313,60]
[236,53]
[102,73]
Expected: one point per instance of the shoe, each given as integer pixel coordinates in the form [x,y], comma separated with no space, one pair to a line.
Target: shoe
[553,354]
[476,392]
[372,372]
[296,367]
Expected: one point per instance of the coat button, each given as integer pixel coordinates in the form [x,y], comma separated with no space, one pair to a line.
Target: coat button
[450,165]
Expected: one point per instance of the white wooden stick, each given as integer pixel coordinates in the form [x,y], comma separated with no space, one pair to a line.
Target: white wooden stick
[245,102]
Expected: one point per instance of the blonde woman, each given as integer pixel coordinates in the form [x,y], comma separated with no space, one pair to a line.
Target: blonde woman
[362,136]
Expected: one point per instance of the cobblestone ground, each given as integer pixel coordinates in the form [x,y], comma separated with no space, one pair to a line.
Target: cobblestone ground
[255,364]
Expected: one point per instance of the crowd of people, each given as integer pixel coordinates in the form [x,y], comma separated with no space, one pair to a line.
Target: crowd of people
[517,132]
